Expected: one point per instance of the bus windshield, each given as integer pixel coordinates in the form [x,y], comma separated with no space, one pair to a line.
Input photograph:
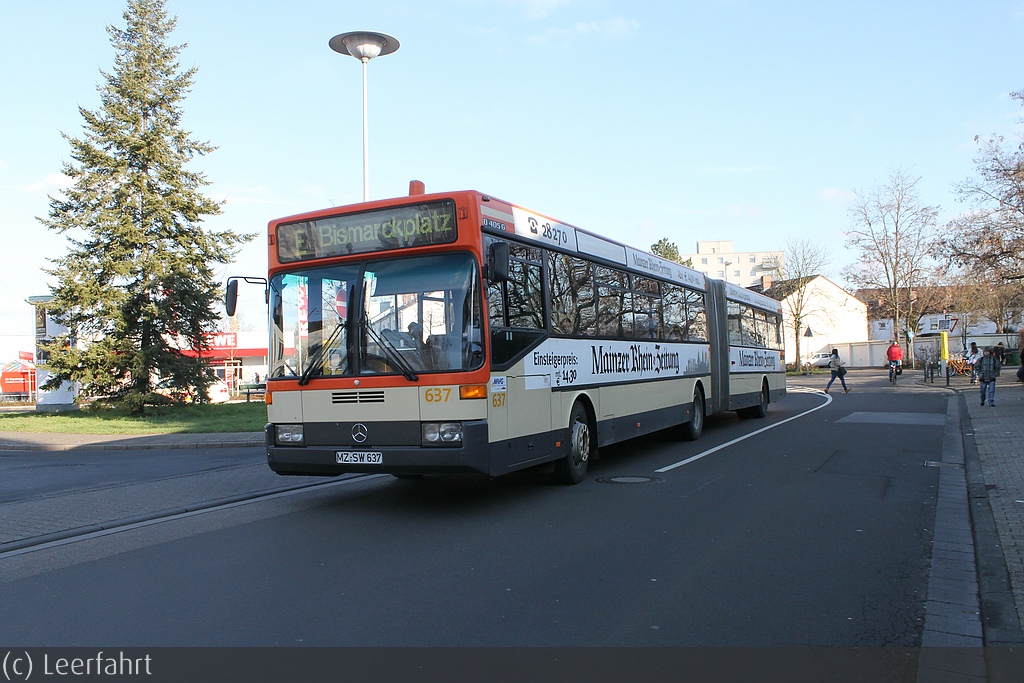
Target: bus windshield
[397,316]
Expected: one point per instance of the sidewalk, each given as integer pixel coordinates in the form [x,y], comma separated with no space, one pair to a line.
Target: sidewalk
[38,441]
[994,436]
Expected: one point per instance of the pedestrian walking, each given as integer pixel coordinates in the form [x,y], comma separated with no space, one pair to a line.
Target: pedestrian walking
[987,369]
[1020,346]
[836,365]
[973,356]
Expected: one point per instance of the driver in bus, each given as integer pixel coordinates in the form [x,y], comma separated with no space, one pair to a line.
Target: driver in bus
[416,332]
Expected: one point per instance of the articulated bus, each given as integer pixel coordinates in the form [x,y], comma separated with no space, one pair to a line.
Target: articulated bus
[455,332]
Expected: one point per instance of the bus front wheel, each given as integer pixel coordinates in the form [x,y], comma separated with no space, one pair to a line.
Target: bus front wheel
[572,468]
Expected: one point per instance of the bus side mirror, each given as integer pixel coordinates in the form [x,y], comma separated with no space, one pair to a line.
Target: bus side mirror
[231,297]
[497,262]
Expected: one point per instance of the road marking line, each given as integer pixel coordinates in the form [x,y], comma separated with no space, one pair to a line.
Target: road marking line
[828,399]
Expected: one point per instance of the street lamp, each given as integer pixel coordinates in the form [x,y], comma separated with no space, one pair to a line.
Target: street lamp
[364,46]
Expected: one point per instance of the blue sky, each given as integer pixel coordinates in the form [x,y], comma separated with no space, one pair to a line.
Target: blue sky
[735,119]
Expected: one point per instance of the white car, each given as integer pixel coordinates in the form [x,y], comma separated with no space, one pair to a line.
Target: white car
[219,390]
[819,360]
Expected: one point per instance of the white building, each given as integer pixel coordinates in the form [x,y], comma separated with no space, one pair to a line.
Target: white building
[831,316]
[957,324]
[238,357]
[719,260]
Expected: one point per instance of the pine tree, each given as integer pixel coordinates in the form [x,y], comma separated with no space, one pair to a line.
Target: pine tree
[669,251]
[666,249]
[137,287]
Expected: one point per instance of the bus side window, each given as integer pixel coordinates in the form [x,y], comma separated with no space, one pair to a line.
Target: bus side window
[674,308]
[571,282]
[646,308]
[614,303]
[516,307]
[696,317]
[525,295]
[496,304]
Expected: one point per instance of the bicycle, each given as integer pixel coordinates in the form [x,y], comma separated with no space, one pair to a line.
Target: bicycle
[894,371]
[958,365]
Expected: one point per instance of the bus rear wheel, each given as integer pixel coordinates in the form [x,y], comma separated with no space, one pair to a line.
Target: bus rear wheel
[695,427]
[761,409]
[572,468]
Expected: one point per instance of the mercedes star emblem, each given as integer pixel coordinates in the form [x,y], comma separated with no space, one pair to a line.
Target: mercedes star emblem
[359,432]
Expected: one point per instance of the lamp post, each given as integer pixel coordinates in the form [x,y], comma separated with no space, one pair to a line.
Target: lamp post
[364,46]
[807,366]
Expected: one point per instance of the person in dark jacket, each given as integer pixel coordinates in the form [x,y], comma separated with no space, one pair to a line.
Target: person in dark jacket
[1020,345]
[987,368]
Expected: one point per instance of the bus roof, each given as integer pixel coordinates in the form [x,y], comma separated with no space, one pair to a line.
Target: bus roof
[499,216]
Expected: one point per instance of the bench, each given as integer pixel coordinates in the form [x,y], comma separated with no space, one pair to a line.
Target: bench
[253,389]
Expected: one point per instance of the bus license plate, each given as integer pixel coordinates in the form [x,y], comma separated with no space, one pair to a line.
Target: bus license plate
[360,458]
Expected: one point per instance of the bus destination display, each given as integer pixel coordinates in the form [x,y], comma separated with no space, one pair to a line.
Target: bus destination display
[416,225]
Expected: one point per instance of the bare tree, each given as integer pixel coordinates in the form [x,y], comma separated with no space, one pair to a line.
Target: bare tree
[804,260]
[990,237]
[987,241]
[894,233]
[964,297]
[1000,302]
[930,296]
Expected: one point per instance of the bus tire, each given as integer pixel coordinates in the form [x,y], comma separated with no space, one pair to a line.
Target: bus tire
[695,427]
[761,409]
[572,468]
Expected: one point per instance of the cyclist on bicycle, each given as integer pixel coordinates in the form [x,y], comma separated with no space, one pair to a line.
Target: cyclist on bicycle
[895,355]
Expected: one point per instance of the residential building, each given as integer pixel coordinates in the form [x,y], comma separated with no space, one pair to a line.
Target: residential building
[718,259]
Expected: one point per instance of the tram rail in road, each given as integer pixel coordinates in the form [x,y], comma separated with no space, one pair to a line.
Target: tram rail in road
[51,540]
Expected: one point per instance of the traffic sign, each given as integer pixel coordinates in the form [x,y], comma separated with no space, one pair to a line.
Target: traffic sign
[341,303]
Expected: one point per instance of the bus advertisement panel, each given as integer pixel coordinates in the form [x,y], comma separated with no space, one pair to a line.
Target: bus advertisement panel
[578,363]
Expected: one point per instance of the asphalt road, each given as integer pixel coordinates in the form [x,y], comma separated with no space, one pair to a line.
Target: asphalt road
[813,533]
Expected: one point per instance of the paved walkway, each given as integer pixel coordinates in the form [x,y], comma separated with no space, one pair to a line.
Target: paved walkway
[994,446]
[38,441]
[976,590]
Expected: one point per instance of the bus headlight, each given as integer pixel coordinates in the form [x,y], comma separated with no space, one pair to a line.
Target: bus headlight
[442,433]
[289,435]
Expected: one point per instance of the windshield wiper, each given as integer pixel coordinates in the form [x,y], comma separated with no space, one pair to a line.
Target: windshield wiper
[392,353]
[314,360]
